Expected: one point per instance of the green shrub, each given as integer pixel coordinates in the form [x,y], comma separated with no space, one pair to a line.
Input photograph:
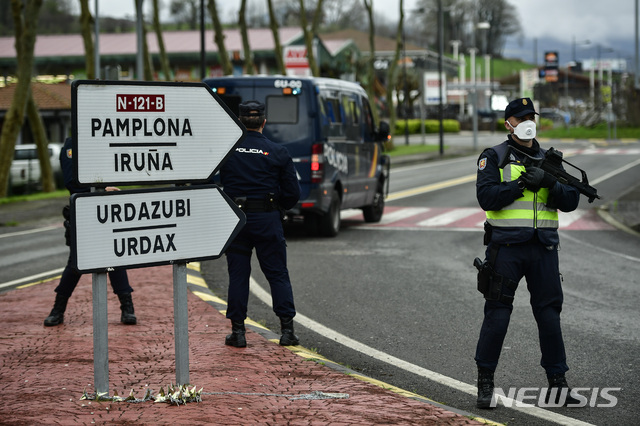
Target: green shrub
[430,126]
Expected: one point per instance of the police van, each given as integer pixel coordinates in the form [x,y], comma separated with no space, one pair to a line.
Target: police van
[327,126]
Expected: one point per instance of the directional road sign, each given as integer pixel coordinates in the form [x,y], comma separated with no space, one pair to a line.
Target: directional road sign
[137,228]
[131,132]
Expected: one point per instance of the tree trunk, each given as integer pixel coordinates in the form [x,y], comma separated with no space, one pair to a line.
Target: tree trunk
[42,144]
[391,77]
[227,68]
[25,31]
[249,67]
[164,60]
[371,74]
[86,22]
[308,39]
[273,23]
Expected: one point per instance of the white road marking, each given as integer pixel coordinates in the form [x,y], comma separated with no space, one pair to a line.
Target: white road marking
[31,278]
[335,336]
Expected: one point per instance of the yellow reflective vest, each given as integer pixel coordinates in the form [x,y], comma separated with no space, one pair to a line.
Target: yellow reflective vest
[527,211]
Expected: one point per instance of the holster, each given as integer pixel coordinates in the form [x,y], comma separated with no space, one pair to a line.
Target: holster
[492,284]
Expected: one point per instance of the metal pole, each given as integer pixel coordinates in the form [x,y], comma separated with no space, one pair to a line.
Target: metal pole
[181,323]
[637,70]
[474,97]
[404,97]
[96,53]
[139,34]
[440,77]
[202,48]
[100,334]
[422,109]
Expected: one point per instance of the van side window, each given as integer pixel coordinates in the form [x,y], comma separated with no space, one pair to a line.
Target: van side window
[369,133]
[352,118]
[282,109]
[334,117]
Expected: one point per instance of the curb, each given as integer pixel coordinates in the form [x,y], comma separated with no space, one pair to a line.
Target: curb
[604,214]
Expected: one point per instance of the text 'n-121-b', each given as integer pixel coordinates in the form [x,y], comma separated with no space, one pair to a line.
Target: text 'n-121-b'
[140,103]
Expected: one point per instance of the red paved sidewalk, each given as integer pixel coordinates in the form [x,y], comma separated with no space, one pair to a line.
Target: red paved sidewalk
[44,370]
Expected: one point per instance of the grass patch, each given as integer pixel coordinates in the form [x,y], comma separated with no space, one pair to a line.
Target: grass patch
[596,132]
[36,196]
[399,150]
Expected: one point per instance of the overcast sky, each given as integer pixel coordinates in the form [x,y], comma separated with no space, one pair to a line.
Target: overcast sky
[609,23]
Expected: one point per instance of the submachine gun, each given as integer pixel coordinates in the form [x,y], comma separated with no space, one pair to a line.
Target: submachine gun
[552,164]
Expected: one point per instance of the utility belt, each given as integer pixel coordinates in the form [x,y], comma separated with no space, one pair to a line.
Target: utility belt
[257,205]
[492,284]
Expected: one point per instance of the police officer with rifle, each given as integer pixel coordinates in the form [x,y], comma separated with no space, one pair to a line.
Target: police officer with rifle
[521,186]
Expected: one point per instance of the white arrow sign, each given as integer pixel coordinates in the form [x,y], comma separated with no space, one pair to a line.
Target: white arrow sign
[151,227]
[149,132]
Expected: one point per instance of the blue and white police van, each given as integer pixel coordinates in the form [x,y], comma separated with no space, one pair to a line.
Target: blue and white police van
[327,126]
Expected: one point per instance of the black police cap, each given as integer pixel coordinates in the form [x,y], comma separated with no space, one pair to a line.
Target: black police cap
[519,108]
[251,109]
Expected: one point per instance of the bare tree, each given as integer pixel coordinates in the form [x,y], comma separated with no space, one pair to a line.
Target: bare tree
[460,23]
[273,23]
[248,61]
[25,22]
[185,11]
[42,143]
[164,60]
[310,33]
[86,22]
[391,77]
[219,39]
[371,75]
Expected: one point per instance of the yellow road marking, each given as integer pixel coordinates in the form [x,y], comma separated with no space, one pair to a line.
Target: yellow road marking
[429,188]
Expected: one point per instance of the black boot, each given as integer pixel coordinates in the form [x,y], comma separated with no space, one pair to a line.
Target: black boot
[286,327]
[126,306]
[558,382]
[485,388]
[236,338]
[57,313]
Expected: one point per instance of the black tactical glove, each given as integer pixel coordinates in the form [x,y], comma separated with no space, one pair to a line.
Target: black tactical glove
[535,178]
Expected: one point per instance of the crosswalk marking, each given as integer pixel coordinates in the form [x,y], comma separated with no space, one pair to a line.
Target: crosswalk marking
[448,217]
[397,215]
[463,218]
[601,151]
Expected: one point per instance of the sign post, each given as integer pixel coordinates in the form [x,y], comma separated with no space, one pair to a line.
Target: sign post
[127,133]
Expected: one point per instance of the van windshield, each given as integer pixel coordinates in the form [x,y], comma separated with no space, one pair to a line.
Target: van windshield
[287,116]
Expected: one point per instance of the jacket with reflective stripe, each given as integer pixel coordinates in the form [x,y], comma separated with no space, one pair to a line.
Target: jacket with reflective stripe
[528,210]
[503,201]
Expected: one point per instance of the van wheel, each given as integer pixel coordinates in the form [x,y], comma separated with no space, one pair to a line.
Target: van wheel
[373,212]
[329,223]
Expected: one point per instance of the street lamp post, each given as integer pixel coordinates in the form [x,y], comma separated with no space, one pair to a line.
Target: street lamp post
[474,97]
[573,47]
[440,54]
[404,91]
[566,78]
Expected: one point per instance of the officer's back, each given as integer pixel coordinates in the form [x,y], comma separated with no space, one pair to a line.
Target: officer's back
[259,167]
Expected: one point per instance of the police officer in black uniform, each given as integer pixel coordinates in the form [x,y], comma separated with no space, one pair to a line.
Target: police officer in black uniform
[260,177]
[70,276]
[521,233]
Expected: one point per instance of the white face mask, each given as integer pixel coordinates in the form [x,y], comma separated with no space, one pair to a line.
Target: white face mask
[525,131]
